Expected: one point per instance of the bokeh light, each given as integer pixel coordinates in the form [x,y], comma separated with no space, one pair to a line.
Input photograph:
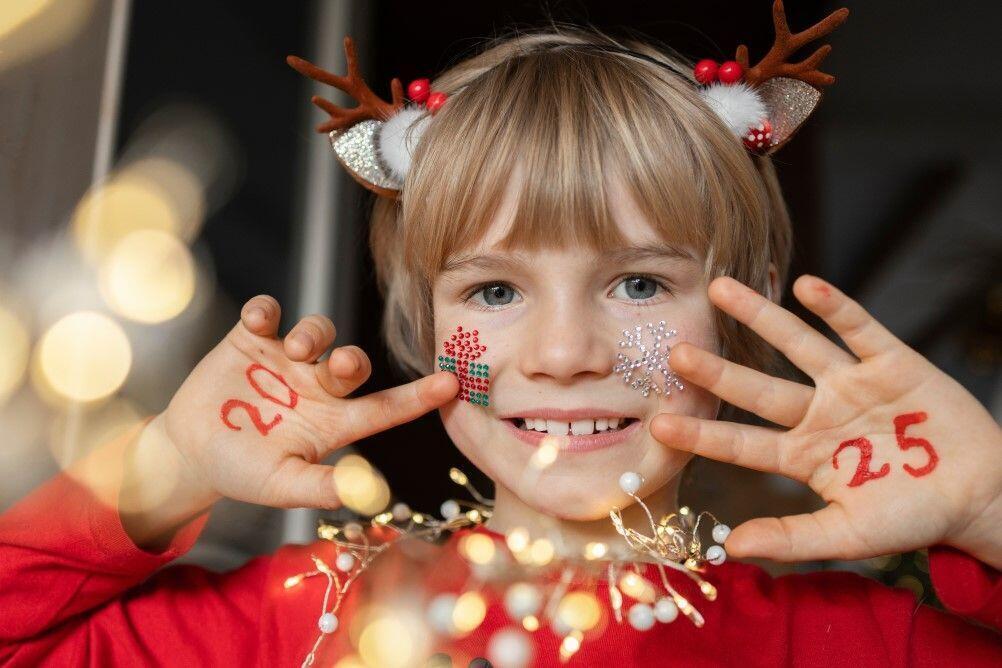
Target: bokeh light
[84,356]
[15,352]
[74,433]
[150,194]
[359,486]
[579,610]
[30,28]
[388,641]
[469,611]
[478,548]
[637,587]
[148,277]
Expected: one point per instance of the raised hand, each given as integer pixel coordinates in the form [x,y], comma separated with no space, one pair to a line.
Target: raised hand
[258,413]
[904,456]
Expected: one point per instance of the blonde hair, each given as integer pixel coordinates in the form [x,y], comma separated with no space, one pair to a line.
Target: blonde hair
[568,105]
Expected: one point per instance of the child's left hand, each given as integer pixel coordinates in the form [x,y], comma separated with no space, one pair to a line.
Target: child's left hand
[904,456]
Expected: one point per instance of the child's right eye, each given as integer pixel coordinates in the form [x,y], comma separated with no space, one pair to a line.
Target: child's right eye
[493,295]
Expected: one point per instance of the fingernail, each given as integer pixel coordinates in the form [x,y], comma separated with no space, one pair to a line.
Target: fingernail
[258,312]
[304,340]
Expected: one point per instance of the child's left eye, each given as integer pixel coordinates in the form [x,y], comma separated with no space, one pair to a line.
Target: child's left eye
[636,288]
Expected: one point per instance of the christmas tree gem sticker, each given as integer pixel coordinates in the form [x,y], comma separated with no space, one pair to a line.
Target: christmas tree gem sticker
[462,350]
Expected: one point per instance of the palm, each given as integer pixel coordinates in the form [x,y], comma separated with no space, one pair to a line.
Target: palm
[254,420]
[876,437]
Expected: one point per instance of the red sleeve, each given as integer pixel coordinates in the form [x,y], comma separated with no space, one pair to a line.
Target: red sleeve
[72,590]
[966,586]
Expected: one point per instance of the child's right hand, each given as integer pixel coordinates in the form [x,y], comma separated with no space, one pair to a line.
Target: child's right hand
[258,413]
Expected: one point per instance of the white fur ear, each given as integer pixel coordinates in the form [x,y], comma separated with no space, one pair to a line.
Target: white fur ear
[738,105]
[398,137]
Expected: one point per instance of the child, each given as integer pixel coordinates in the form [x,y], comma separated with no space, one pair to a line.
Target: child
[567,189]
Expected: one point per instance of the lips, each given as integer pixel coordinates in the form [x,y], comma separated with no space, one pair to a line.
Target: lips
[570,434]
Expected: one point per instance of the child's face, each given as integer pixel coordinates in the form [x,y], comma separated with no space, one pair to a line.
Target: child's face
[551,321]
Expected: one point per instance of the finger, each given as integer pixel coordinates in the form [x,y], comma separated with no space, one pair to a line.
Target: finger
[344,371]
[261,315]
[861,332]
[299,484]
[379,411]
[777,400]
[807,348]
[753,447]
[807,537]
[309,339]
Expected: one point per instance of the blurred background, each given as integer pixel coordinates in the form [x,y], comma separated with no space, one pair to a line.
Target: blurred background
[158,167]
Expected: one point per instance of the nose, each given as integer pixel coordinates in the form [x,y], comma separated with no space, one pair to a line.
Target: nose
[567,344]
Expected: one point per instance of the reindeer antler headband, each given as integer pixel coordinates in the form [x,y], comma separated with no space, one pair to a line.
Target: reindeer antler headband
[763,105]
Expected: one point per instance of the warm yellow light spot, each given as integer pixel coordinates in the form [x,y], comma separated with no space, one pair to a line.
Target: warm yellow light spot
[293,581]
[595,550]
[418,518]
[359,486]
[545,454]
[709,591]
[383,519]
[579,610]
[517,539]
[541,551]
[387,641]
[478,548]
[530,623]
[458,476]
[569,646]
[637,587]
[29,28]
[469,612]
[84,356]
[327,532]
[474,516]
[15,351]
[149,276]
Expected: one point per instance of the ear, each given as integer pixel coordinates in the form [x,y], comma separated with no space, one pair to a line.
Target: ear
[774,289]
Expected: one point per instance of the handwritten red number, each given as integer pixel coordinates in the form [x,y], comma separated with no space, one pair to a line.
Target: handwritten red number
[255,414]
[902,422]
[863,472]
[252,411]
[293,397]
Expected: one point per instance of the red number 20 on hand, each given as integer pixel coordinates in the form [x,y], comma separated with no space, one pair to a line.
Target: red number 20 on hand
[252,411]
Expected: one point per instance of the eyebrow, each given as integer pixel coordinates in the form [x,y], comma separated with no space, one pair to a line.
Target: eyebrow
[617,256]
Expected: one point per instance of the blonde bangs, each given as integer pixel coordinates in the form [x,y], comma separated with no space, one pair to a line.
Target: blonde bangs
[572,117]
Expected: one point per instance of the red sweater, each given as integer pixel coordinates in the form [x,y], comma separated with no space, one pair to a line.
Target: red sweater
[75,590]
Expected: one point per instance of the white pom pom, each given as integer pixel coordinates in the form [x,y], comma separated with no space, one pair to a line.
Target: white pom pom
[737,105]
[398,137]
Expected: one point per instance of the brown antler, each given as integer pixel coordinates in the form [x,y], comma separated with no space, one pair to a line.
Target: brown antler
[786,44]
[370,105]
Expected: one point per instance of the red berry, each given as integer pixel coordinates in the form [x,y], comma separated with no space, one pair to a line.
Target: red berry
[436,100]
[418,90]
[730,72]
[705,71]
[759,137]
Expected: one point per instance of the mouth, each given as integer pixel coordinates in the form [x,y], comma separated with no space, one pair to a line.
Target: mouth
[578,434]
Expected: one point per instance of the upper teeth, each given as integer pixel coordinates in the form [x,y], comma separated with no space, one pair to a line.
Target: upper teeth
[575,427]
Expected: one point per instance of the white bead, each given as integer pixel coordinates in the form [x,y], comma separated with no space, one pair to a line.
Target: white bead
[509,649]
[716,555]
[629,482]
[721,532]
[440,612]
[522,599]
[450,509]
[401,512]
[641,616]
[328,623]
[665,610]
[344,562]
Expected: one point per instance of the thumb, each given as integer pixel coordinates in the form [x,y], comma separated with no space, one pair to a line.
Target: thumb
[805,537]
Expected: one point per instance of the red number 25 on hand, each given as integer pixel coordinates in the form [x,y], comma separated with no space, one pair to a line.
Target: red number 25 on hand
[255,414]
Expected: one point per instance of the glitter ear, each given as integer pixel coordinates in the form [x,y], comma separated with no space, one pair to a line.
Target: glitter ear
[653,357]
[462,350]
